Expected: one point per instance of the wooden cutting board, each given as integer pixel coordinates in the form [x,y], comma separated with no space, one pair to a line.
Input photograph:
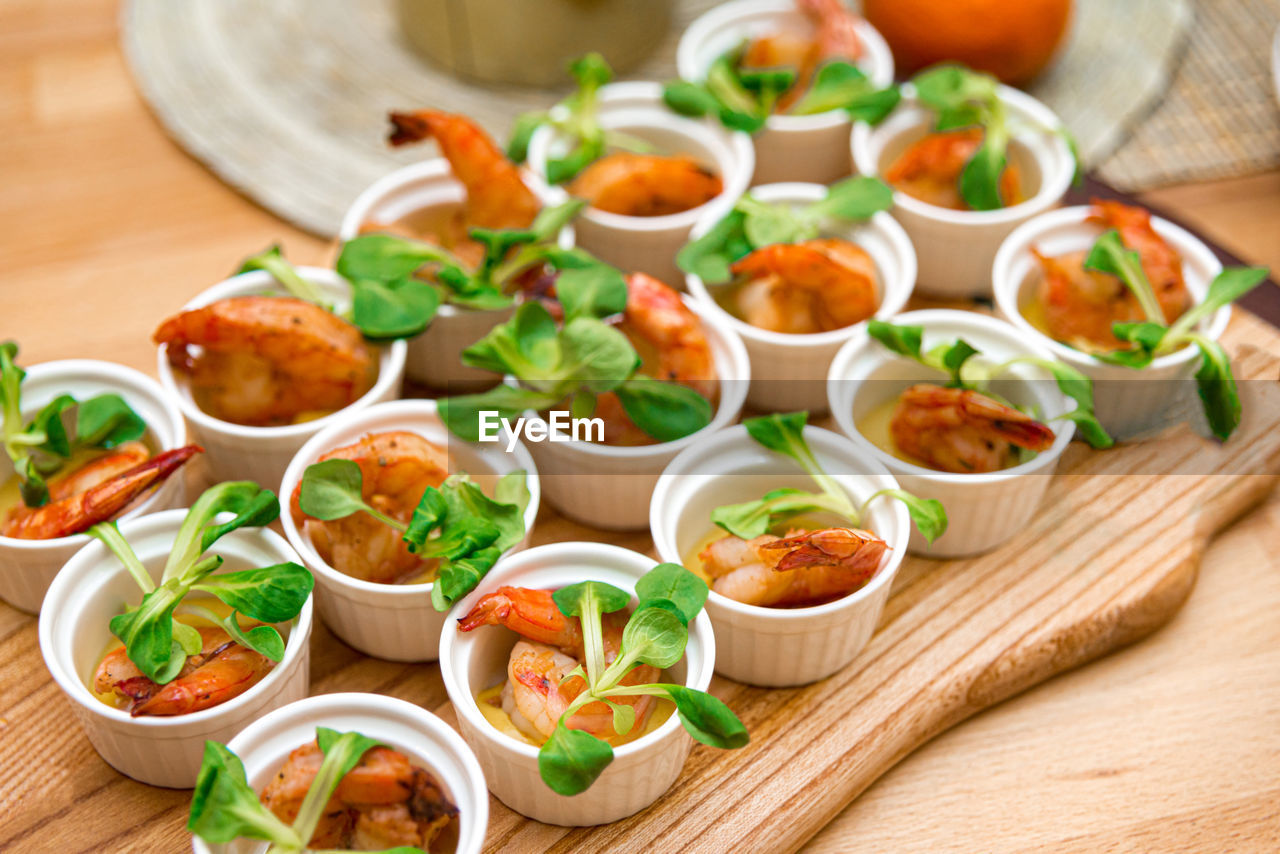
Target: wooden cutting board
[1112,556]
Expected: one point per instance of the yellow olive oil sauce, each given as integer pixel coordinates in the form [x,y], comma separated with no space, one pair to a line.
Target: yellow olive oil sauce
[490,703]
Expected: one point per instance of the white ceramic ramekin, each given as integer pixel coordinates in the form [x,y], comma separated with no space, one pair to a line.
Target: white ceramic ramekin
[778,647]
[238,452]
[27,567]
[955,248]
[395,622]
[608,486]
[789,372]
[264,747]
[789,148]
[94,587]
[470,662]
[649,244]
[434,357]
[1128,402]
[983,510]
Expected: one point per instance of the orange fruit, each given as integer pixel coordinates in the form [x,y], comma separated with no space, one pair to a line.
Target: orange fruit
[1012,39]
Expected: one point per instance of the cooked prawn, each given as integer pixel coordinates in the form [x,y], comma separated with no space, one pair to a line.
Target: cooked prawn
[1081,305]
[646,184]
[496,195]
[811,286]
[929,170]
[960,430]
[268,360]
[672,347]
[383,802]
[95,492]
[834,36]
[396,468]
[537,691]
[803,568]
[221,671]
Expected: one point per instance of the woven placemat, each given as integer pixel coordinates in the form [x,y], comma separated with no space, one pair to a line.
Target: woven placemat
[286,101]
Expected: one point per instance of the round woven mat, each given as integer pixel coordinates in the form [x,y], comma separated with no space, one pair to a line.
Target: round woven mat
[286,101]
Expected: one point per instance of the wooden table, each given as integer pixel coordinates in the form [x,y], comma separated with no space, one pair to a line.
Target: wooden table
[1171,745]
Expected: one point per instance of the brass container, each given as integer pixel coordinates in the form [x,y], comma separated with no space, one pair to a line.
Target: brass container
[529,42]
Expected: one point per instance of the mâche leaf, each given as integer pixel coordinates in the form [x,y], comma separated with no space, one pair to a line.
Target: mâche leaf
[665,411]
[963,98]
[753,224]
[154,641]
[743,98]
[39,449]
[952,357]
[1109,255]
[655,633]
[927,514]
[571,760]
[272,260]
[673,583]
[575,361]
[1217,388]
[224,807]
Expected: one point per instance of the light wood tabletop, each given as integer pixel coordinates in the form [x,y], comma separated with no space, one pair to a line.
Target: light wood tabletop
[1170,745]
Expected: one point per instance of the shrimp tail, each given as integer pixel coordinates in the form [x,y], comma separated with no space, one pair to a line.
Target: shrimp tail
[527,612]
[99,503]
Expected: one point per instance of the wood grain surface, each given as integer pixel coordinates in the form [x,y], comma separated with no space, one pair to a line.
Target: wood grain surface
[1170,745]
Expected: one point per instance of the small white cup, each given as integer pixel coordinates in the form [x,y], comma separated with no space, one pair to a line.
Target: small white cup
[649,243]
[955,248]
[394,622]
[264,747]
[239,452]
[94,587]
[642,771]
[789,148]
[788,372]
[27,567]
[984,509]
[608,486]
[435,356]
[1128,402]
[778,647]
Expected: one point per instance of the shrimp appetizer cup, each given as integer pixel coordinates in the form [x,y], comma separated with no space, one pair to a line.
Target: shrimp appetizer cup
[872,387]
[956,241]
[392,618]
[471,662]
[471,185]
[1128,401]
[789,368]
[239,451]
[36,542]
[790,147]
[266,748]
[158,744]
[688,167]
[665,375]
[793,643]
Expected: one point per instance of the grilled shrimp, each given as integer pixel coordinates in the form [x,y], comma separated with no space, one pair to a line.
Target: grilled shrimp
[383,802]
[265,361]
[496,194]
[396,469]
[646,184]
[929,170]
[1081,305]
[959,430]
[537,691]
[95,492]
[803,568]
[221,671]
[672,347]
[811,286]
